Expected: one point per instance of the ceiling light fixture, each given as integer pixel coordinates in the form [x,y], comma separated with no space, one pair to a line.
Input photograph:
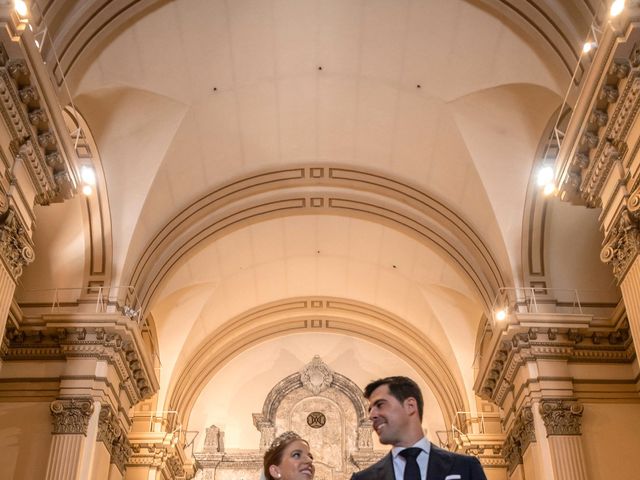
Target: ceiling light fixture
[88,175]
[545,175]
[616,8]
[501,314]
[20,7]
[588,46]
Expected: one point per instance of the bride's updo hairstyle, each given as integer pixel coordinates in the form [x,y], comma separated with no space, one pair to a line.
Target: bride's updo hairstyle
[273,456]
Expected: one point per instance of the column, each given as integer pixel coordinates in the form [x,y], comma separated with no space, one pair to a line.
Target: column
[562,422]
[70,423]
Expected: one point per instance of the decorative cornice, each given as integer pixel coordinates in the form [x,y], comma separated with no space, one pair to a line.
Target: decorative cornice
[519,344]
[24,111]
[160,455]
[71,416]
[110,338]
[561,417]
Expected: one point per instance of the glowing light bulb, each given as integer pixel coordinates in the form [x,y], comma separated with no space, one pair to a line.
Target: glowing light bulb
[87,190]
[616,8]
[88,175]
[501,314]
[21,7]
[588,46]
[545,176]
[548,189]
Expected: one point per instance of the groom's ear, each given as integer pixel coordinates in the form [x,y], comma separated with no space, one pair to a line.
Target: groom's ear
[411,404]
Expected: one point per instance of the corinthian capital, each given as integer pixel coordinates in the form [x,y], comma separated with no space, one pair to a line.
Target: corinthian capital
[71,416]
[561,417]
[622,243]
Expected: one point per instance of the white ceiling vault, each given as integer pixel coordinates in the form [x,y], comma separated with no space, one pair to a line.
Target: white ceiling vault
[284,178]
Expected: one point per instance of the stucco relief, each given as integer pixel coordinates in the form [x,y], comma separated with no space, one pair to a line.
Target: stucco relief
[341,443]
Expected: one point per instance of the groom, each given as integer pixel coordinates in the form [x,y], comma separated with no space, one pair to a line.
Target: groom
[395,407]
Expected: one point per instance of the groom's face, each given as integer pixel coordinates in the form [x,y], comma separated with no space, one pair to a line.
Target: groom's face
[391,417]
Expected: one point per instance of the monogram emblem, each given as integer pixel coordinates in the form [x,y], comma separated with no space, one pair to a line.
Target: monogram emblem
[316,420]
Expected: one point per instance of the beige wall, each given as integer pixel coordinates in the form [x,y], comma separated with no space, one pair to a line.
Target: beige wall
[611,435]
[25,438]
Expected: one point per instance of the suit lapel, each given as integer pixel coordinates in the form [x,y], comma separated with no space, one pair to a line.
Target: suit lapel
[440,463]
[386,469]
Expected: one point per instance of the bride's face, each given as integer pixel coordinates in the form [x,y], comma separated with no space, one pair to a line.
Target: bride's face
[296,464]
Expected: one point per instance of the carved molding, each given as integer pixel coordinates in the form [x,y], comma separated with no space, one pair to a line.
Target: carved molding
[16,248]
[109,429]
[121,452]
[522,434]
[520,345]
[25,113]
[159,455]
[71,416]
[114,341]
[561,417]
[622,244]
[512,453]
[316,376]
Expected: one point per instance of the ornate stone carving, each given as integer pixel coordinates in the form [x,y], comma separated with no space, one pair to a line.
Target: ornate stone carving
[511,453]
[71,416]
[620,68]
[112,340]
[316,376]
[15,246]
[121,452]
[214,440]
[524,430]
[519,346]
[623,244]
[109,430]
[561,417]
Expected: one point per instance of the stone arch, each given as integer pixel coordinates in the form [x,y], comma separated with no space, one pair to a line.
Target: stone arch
[306,378]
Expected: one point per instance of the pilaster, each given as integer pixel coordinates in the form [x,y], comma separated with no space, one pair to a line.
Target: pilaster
[562,421]
[70,422]
[537,367]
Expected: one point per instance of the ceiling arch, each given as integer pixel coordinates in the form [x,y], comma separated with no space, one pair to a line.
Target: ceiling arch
[334,190]
[316,314]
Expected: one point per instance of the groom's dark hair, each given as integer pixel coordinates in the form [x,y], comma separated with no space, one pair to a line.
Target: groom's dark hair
[400,387]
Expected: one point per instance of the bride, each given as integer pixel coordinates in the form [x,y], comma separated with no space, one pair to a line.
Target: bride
[288,458]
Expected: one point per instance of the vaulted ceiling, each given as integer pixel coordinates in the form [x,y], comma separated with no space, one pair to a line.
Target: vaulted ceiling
[279,179]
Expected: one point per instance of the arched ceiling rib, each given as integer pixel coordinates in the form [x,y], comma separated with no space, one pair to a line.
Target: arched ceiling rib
[317,315]
[76,30]
[333,190]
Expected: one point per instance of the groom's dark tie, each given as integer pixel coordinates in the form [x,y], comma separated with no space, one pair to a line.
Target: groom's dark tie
[411,469]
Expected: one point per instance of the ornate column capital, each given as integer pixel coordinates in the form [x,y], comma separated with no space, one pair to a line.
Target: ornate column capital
[16,249]
[71,416]
[561,417]
[121,452]
[520,437]
[512,453]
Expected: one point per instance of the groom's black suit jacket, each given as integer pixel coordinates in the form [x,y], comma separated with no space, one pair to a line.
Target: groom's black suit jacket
[443,465]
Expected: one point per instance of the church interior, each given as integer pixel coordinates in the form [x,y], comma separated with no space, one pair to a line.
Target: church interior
[221,219]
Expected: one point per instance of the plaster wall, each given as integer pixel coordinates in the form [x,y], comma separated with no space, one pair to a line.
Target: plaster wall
[25,439]
[611,434]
